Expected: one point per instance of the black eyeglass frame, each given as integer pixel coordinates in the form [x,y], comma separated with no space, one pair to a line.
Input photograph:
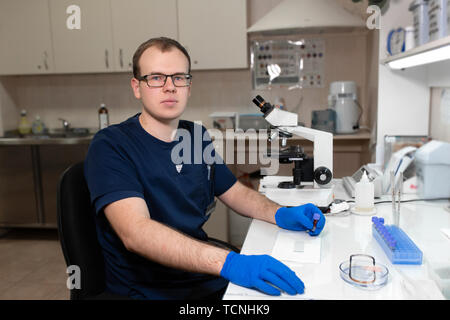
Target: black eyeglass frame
[144,78]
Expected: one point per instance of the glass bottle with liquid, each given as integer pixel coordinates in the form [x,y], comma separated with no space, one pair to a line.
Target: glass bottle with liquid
[103,117]
[24,124]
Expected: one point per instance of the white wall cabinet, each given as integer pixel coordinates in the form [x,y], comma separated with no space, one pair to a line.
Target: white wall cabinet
[214,32]
[88,49]
[137,21]
[35,38]
[25,38]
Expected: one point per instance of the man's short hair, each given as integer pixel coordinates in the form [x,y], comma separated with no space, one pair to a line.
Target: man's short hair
[162,43]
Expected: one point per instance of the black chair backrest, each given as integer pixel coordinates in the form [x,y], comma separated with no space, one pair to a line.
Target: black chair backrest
[77,232]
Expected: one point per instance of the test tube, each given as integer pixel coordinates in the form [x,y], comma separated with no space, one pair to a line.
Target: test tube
[395,205]
[393,191]
[316,218]
[400,193]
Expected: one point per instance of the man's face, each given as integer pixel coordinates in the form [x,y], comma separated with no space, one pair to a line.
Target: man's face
[168,102]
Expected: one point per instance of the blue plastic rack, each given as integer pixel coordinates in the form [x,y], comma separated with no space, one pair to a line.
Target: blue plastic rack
[399,248]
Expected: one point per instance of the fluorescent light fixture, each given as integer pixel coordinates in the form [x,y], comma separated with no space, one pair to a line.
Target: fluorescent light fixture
[430,56]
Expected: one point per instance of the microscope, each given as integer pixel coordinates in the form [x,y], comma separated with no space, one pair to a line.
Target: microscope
[311,179]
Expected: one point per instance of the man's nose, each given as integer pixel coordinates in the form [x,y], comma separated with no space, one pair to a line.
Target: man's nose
[169,85]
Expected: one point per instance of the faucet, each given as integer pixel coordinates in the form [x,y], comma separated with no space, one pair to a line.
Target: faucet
[65,124]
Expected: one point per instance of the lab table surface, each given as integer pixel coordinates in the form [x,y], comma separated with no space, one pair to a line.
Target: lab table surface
[347,234]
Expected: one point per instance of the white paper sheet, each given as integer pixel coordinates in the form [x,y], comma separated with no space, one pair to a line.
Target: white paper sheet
[297,247]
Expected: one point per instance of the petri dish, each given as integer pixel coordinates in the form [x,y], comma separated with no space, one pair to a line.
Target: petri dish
[364,274]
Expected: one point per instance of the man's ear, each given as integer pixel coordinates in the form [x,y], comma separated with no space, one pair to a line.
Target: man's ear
[136,87]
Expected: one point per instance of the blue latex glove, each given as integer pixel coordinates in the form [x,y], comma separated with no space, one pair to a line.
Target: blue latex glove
[300,218]
[257,271]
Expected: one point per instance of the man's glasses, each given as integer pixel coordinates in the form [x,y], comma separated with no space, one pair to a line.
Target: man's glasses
[159,80]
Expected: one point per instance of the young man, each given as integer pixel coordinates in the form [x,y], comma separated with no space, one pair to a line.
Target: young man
[150,211]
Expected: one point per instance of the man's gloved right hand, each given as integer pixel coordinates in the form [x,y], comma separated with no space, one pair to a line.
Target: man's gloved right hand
[253,271]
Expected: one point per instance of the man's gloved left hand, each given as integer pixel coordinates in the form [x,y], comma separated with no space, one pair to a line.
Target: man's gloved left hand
[300,218]
[261,272]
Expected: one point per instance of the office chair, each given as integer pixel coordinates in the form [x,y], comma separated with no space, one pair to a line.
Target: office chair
[78,236]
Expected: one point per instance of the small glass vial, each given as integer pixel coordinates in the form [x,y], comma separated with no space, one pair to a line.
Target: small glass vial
[103,118]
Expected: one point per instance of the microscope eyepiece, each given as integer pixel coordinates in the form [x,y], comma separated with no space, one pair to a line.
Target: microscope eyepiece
[263,105]
[259,101]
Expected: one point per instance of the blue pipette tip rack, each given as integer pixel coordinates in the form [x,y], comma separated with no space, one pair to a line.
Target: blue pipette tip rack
[399,248]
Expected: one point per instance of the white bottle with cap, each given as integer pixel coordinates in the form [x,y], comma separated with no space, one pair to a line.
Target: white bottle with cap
[364,196]
[103,117]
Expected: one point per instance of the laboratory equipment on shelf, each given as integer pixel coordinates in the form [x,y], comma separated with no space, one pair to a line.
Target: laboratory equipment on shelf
[311,180]
[396,244]
[396,41]
[343,100]
[419,9]
[363,272]
[324,120]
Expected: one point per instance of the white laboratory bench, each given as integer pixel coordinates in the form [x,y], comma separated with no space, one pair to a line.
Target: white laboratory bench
[350,234]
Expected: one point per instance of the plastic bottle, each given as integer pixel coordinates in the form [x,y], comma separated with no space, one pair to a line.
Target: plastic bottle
[364,196]
[409,38]
[24,125]
[103,117]
[38,126]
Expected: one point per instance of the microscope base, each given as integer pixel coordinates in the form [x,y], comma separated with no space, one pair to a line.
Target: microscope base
[321,197]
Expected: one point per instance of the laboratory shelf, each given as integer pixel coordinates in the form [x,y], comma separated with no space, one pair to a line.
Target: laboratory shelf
[418,50]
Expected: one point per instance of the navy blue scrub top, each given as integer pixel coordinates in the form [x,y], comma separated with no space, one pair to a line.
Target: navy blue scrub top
[125,161]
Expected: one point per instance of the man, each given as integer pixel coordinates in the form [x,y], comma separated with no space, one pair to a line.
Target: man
[150,211]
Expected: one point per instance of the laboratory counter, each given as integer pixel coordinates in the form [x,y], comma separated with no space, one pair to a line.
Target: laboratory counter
[12,138]
[231,134]
[427,223]
[350,151]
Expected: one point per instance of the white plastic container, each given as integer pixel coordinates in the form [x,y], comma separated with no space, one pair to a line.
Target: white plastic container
[343,100]
[364,196]
[419,8]
[432,162]
[409,38]
[437,19]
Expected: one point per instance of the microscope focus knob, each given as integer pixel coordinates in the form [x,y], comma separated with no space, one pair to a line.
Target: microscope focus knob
[322,175]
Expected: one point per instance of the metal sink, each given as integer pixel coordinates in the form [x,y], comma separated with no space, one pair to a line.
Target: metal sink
[70,133]
[57,135]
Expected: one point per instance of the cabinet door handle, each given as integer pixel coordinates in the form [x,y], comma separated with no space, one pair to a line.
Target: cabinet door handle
[121,57]
[106,59]
[45,60]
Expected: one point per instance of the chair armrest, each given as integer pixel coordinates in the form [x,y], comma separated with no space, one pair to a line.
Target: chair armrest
[223,244]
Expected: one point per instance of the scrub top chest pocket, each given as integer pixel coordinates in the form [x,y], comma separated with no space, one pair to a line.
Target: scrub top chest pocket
[197,184]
